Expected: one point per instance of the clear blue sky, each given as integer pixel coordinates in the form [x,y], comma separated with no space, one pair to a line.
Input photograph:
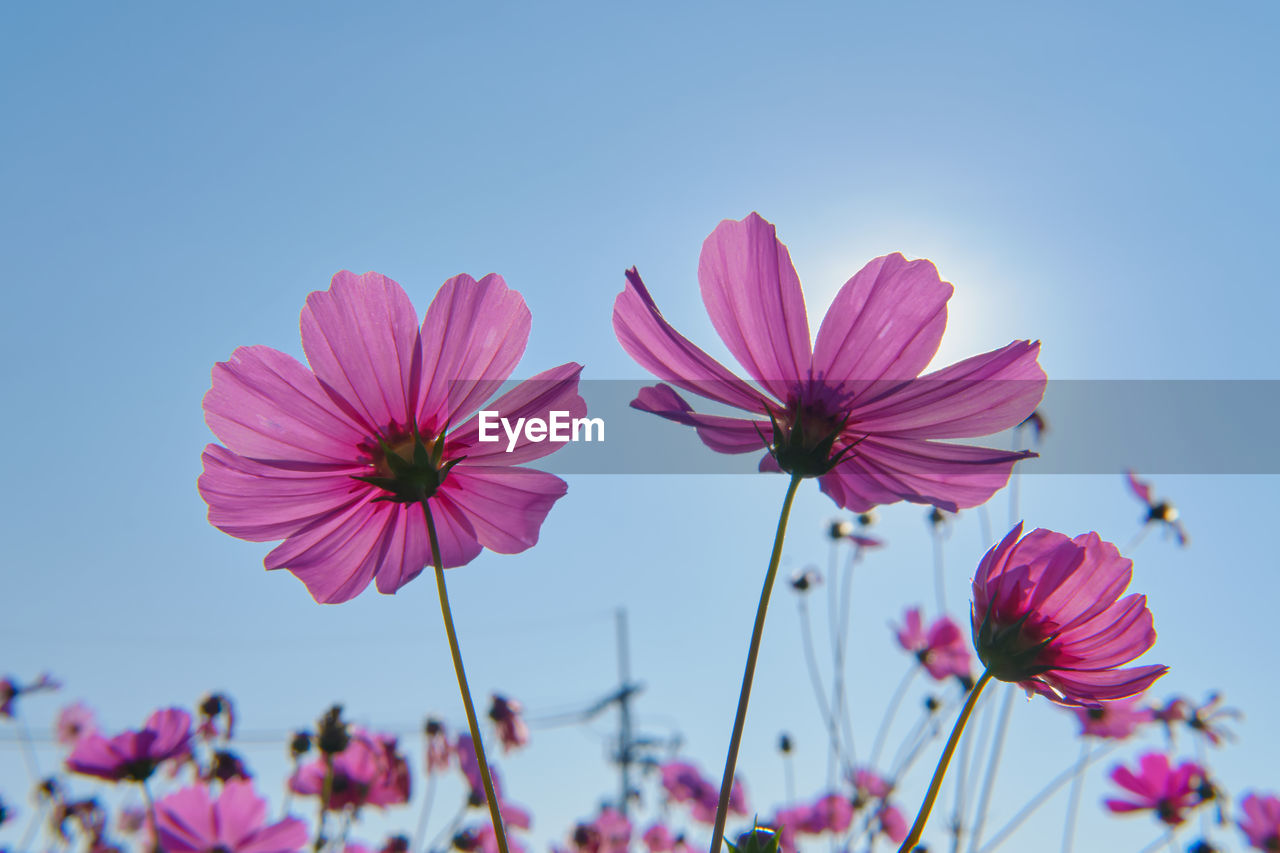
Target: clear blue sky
[176,179]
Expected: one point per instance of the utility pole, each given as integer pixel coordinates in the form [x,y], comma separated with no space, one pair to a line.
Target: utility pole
[625,744]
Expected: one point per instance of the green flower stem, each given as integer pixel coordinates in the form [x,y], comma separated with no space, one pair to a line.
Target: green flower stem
[917,828]
[495,814]
[731,761]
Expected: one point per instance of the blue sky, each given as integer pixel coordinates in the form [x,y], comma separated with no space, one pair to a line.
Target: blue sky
[178,178]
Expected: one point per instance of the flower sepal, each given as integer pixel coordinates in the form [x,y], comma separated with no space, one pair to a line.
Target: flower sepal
[416,478]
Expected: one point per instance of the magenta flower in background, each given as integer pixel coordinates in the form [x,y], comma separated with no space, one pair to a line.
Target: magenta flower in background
[830,813]
[849,409]
[1261,821]
[190,821]
[658,839]
[74,721]
[512,730]
[941,650]
[892,823]
[133,755]
[336,459]
[1159,511]
[1047,614]
[1168,791]
[684,783]
[369,771]
[868,784]
[1114,720]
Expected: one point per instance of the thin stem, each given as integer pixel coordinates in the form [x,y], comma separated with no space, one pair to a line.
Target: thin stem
[917,828]
[151,813]
[844,711]
[1040,798]
[962,785]
[449,829]
[989,780]
[939,584]
[890,712]
[326,792]
[735,740]
[495,814]
[1137,538]
[815,678]
[421,833]
[1155,845]
[1073,803]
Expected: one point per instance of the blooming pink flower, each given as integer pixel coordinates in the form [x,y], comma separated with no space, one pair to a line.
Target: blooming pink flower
[609,832]
[892,823]
[941,650]
[1168,791]
[74,722]
[829,813]
[512,730]
[1261,821]
[869,785]
[469,764]
[1047,614]
[369,771]
[658,839]
[336,459]
[133,755]
[217,717]
[849,409]
[684,783]
[190,821]
[1114,720]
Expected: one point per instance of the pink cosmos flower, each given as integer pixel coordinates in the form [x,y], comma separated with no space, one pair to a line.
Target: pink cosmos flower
[512,730]
[684,783]
[658,839]
[1047,614]
[370,771]
[74,722]
[133,755]
[941,650]
[868,784]
[469,764]
[1261,821]
[892,823]
[1114,720]
[1168,791]
[190,821]
[830,813]
[337,459]
[610,832]
[849,409]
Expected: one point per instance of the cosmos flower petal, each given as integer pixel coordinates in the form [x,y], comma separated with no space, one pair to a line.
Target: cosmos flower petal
[753,297]
[885,324]
[473,335]
[722,434]
[1081,596]
[657,347]
[554,390]
[262,502]
[287,836]
[361,339]
[520,497]
[185,820]
[238,813]
[407,551]
[334,555]
[981,395]
[265,405]
[1091,686]
[949,476]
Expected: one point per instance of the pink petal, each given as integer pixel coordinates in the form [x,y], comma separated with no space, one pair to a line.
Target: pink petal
[262,502]
[884,325]
[667,354]
[1138,487]
[408,549]
[505,506]
[337,555]
[1101,686]
[361,339]
[286,836]
[721,434]
[239,813]
[458,541]
[472,337]
[265,405]
[185,821]
[754,299]
[978,396]
[949,476]
[554,390]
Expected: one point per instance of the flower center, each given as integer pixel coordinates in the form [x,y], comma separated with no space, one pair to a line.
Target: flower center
[804,438]
[409,469]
